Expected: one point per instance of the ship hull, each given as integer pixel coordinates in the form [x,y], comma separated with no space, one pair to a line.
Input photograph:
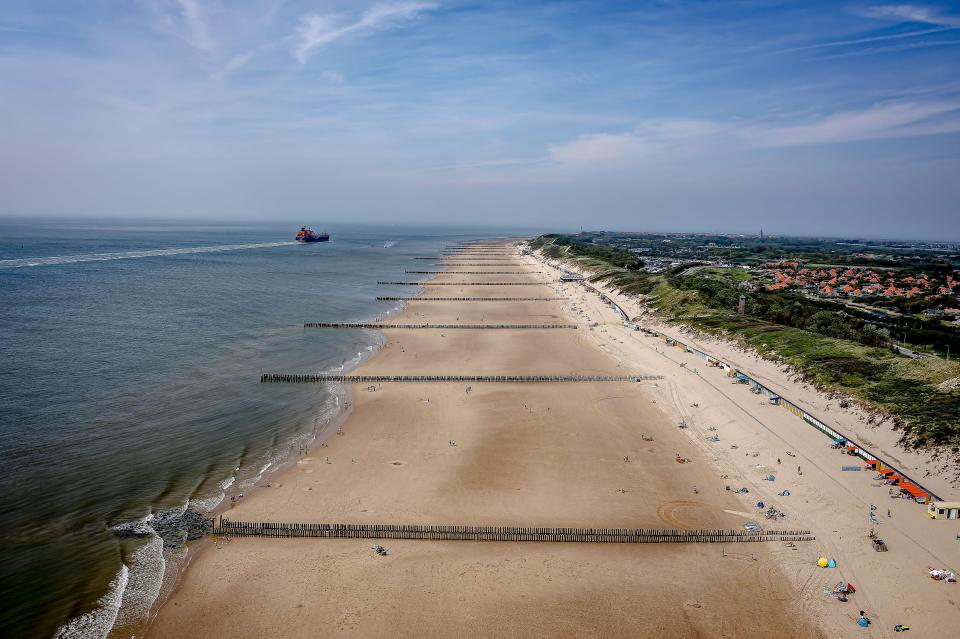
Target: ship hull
[310,240]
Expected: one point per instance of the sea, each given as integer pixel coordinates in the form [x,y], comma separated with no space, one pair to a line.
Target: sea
[130,357]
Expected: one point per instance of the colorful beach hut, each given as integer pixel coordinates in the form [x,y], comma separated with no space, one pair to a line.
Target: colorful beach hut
[919,495]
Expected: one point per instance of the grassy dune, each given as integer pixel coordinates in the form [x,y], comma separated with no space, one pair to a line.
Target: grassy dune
[904,389]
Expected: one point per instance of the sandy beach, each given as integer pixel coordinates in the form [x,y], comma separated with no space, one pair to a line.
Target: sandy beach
[580,454]
[757,439]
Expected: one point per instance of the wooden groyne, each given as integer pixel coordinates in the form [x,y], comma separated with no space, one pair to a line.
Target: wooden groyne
[465,258]
[473,272]
[503,533]
[430,326]
[460,283]
[320,378]
[472,299]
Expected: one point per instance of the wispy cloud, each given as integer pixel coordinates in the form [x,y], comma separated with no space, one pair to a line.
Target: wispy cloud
[911,13]
[845,43]
[664,140]
[318,30]
[889,49]
[888,120]
[235,63]
[901,13]
[186,19]
[648,139]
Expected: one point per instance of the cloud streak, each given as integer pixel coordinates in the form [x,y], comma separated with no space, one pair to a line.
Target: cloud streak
[317,30]
[904,13]
[882,121]
[846,43]
[234,64]
[911,13]
[193,26]
[663,140]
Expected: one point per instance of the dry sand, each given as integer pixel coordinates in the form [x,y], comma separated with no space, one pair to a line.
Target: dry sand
[502,454]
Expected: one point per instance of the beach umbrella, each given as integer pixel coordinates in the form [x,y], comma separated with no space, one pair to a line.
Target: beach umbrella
[823,562]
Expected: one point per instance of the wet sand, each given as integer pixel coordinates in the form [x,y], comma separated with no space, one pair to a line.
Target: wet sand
[501,454]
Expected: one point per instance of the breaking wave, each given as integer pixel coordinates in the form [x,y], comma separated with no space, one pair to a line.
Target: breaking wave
[98,622]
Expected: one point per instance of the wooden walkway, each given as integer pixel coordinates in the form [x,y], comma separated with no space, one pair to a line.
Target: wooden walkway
[503,533]
[320,378]
[434,326]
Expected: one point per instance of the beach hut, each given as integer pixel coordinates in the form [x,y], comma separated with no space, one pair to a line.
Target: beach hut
[943,510]
[919,495]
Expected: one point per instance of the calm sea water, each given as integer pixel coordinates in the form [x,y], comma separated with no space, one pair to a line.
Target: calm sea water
[129,388]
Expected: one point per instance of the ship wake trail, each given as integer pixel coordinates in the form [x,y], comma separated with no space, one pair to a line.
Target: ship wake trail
[129,255]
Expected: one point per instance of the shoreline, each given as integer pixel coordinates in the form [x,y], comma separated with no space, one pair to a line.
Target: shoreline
[194,549]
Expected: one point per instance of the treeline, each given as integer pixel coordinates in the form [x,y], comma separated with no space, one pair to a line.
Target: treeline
[613,256]
[823,318]
[787,310]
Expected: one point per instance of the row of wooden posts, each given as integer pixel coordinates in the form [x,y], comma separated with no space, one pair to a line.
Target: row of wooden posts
[502,533]
[454,326]
[471,299]
[460,283]
[475,272]
[318,378]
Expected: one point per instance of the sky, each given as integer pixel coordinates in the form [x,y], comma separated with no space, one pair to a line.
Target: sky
[812,118]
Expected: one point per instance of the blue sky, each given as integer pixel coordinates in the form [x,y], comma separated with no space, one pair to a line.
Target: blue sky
[801,117]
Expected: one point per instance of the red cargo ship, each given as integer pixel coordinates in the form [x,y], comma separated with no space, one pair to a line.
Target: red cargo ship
[306,235]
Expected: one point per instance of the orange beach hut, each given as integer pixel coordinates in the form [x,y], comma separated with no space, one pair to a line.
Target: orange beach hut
[921,496]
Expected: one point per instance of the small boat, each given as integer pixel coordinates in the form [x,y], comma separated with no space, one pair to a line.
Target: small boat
[388,244]
[307,235]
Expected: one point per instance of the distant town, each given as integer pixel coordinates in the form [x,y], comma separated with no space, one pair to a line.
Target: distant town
[889,277]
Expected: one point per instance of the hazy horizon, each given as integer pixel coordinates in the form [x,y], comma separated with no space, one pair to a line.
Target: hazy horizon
[519,230]
[802,118]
